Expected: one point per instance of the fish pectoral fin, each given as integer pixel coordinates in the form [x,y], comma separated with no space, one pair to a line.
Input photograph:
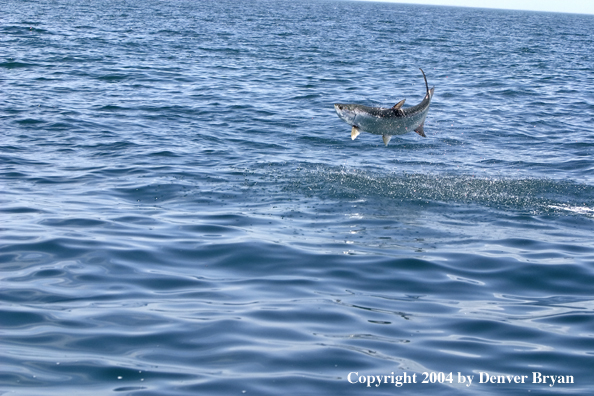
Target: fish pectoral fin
[386,139]
[355,132]
[399,104]
[420,130]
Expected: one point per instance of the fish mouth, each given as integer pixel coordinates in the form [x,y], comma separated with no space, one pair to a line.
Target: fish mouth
[343,112]
[342,108]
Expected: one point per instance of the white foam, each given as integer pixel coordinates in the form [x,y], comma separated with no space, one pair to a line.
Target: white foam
[575,209]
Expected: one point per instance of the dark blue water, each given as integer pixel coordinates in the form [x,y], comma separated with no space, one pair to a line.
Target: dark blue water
[182,212]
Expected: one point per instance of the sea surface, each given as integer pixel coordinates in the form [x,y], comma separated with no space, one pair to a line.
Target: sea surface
[182,212]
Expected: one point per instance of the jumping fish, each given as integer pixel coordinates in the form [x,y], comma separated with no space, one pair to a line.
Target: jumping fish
[386,122]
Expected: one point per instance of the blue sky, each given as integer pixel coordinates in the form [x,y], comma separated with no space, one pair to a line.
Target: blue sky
[574,6]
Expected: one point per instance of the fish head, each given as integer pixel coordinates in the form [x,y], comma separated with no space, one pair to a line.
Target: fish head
[431,92]
[346,112]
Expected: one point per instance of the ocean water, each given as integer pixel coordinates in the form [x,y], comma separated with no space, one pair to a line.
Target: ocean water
[183,213]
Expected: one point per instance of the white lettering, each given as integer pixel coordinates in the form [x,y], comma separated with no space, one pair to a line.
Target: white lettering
[349,377]
[407,379]
[463,378]
[485,379]
[568,379]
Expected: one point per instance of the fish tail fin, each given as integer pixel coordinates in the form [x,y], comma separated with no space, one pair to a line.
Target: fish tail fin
[426,85]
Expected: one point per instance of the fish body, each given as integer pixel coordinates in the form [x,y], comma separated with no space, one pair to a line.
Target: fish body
[386,121]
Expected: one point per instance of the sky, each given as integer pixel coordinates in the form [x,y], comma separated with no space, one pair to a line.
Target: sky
[573,6]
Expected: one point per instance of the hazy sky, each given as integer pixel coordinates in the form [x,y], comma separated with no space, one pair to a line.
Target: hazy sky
[575,6]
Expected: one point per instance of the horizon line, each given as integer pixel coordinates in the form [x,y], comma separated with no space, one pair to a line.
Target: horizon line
[491,7]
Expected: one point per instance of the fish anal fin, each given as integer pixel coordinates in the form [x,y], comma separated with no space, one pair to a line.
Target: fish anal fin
[399,104]
[420,130]
[386,139]
[355,132]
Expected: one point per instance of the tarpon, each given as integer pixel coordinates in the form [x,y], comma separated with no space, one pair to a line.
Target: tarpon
[386,122]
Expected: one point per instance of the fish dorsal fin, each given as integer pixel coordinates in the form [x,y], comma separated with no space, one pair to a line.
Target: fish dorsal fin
[399,104]
[386,139]
[420,130]
[354,132]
